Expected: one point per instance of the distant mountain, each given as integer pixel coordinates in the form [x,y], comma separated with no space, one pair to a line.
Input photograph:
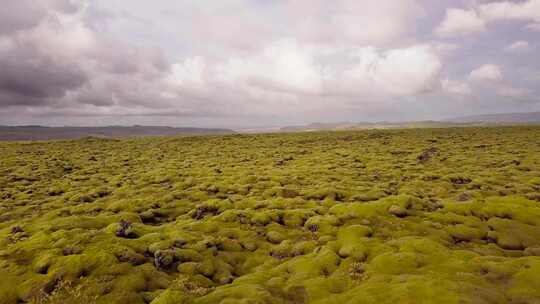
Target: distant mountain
[369,125]
[323,126]
[465,121]
[46,133]
[531,117]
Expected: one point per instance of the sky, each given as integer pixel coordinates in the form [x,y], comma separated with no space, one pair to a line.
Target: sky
[255,63]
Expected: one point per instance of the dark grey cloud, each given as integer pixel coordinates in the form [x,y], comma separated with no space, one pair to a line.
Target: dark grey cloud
[50,56]
[28,78]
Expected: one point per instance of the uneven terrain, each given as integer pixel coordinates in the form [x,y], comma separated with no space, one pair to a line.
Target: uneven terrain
[378,216]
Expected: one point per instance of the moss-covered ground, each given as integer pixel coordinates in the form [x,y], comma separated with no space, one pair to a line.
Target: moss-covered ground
[401,216]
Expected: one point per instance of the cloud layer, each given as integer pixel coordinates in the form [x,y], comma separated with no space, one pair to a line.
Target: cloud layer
[246,62]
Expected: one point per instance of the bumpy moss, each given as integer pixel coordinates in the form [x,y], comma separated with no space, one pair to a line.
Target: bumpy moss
[400,216]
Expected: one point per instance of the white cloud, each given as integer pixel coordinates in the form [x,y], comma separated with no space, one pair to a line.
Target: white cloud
[474,20]
[406,71]
[518,47]
[354,21]
[189,72]
[300,78]
[512,92]
[525,10]
[460,22]
[283,66]
[486,73]
[534,26]
[455,87]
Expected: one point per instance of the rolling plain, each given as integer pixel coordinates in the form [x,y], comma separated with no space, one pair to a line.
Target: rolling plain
[449,215]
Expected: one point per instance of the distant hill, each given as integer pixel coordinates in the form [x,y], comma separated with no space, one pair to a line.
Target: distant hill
[46,133]
[368,125]
[465,121]
[531,117]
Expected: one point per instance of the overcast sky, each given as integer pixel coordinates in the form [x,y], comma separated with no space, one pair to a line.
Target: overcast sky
[242,63]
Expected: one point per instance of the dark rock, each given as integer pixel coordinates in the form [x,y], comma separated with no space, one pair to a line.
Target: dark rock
[313,227]
[164,259]
[427,154]
[16,229]
[289,193]
[460,180]
[132,257]
[125,229]
[397,211]
[204,210]
[463,197]
[71,250]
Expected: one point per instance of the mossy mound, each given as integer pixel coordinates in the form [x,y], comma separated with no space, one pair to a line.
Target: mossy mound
[392,216]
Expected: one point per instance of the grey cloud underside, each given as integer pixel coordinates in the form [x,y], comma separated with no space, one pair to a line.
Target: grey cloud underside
[29,79]
[36,79]
[41,68]
[250,62]
[25,14]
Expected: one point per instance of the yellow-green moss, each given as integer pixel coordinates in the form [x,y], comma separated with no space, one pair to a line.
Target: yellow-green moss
[323,217]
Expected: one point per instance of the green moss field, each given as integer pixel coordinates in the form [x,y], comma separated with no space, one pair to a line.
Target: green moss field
[374,216]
